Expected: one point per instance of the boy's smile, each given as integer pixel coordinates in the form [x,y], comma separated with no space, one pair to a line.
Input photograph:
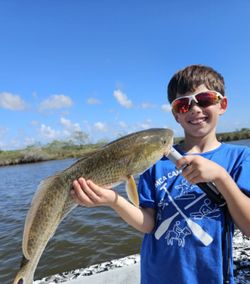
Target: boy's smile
[198,120]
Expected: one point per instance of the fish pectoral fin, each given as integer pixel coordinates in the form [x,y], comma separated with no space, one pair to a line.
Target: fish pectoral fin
[131,190]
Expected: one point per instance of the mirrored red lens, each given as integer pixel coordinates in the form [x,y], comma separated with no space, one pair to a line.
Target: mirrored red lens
[181,105]
[206,99]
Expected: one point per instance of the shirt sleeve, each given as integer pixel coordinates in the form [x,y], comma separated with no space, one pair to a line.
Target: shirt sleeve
[241,174]
[146,190]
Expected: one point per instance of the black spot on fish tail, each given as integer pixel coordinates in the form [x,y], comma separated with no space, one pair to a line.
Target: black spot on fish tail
[24,261]
[20,281]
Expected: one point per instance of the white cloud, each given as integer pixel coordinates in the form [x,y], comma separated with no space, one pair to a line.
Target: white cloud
[11,101]
[93,101]
[147,124]
[48,133]
[147,105]
[34,123]
[122,124]
[166,108]
[56,102]
[144,125]
[100,126]
[69,126]
[29,141]
[122,99]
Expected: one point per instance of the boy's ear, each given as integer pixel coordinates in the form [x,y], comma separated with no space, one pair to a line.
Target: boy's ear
[223,105]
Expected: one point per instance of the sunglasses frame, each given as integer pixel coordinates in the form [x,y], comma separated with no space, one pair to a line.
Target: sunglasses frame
[193,98]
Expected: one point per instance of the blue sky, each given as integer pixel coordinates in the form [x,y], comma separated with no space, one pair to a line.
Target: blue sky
[102,66]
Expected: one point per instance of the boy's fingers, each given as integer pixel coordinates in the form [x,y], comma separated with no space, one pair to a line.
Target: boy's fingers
[98,190]
[80,195]
[182,162]
[193,177]
[95,188]
[185,164]
[89,189]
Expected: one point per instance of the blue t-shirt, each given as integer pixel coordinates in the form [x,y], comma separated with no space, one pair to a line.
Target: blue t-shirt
[188,243]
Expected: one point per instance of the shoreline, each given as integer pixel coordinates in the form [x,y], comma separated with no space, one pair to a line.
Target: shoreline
[35,154]
[127,269]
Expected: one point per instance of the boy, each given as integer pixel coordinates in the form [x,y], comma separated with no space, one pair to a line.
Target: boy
[186,238]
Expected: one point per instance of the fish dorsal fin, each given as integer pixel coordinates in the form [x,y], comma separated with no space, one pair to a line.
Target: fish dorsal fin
[88,154]
[38,196]
[131,190]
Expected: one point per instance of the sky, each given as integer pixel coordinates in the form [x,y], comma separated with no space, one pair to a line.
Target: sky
[102,66]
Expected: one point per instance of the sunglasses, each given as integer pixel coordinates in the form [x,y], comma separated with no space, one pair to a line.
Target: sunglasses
[204,99]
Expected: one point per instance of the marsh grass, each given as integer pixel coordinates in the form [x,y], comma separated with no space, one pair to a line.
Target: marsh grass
[62,150]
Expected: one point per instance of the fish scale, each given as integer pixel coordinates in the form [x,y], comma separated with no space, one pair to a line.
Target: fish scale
[116,162]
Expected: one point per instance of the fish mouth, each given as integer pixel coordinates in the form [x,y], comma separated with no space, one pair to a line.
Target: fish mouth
[168,148]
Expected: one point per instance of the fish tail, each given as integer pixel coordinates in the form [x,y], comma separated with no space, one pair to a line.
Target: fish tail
[25,274]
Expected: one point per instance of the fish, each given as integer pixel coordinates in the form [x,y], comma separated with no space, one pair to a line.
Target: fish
[112,164]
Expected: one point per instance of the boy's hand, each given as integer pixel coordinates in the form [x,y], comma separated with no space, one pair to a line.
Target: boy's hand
[89,194]
[200,169]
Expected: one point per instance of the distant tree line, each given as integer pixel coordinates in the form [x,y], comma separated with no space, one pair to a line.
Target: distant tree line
[243,133]
[78,145]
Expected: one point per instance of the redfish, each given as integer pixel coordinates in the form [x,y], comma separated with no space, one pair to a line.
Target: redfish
[112,164]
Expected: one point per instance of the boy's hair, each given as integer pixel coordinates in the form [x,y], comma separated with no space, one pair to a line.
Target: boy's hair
[189,78]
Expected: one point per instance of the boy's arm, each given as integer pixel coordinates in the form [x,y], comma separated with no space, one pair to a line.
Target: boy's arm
[238,203]
[89,194]
[204,170]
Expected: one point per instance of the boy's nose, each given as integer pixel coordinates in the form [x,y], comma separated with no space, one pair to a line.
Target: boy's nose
[194,106]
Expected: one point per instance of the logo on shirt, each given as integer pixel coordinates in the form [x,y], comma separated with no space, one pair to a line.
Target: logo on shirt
[176,231]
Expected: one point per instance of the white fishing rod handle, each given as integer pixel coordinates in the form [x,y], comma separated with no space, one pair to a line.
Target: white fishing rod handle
[208,187]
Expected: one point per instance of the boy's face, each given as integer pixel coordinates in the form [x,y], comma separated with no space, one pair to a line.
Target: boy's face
[200,121]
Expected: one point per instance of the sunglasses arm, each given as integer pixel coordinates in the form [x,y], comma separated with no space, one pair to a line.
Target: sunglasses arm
[208,187]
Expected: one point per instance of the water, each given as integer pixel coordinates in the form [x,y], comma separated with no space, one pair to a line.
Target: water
[86,236]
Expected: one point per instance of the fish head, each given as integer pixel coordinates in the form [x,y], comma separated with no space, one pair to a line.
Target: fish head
[148,147]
